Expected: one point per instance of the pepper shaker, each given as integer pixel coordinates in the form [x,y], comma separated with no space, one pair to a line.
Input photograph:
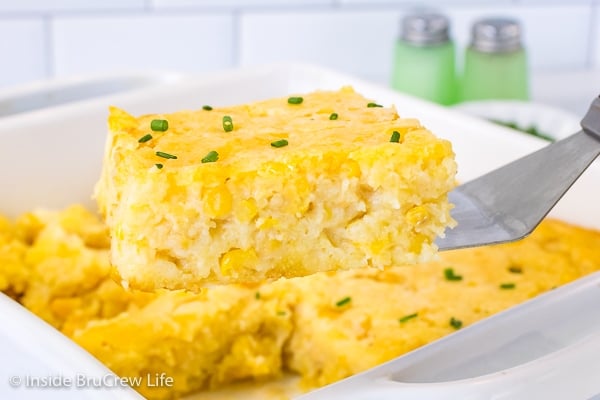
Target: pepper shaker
[495,62]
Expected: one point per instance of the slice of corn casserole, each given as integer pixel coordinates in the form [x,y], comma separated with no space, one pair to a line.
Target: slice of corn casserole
[283,187]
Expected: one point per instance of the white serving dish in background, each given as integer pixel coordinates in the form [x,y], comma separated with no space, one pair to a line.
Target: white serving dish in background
[551,121]
[52,157]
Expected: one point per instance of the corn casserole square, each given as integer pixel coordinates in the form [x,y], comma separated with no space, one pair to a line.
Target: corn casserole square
[278,188]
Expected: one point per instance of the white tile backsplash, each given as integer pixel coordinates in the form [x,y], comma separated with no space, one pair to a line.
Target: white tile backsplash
[238,4]
[595,39]
[23,51]
[68,5]
[358,42]
[416,4]
[555,36]
[361,42]
[356,36]
[555,2]
[189,43]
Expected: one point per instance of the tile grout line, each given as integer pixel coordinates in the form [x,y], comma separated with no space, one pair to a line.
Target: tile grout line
[591,44]
[148,6]
[236,39]
[48,46]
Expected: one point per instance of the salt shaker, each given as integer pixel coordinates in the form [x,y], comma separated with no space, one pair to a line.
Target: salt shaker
[424,59]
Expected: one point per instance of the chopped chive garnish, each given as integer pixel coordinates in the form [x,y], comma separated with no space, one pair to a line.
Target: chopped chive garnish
[295,100]
[371,105]
[207,108]
[333,116]
[515,269]
[407,318]
[280,312]
[507,286]
[343,302]
[455,323]
[159,166]
[257,295]
[159,125]
[395,138]
[211,156]
[279,143]
[166,155]
[227,123]
[145,138]
[451,276]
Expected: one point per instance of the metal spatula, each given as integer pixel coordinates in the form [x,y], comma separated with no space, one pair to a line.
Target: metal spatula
[509,202]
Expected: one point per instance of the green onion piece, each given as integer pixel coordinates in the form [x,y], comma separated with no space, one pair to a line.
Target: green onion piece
[145,138]
[159,166]
[279,143]
[455,323]
[207,108]
[407,318]
[333,116]
[507,286]
[257,295]
[515,269]
[395,137]
[212,156]
[343,302]
[371,105]
[295,100]
[166,155]
[280,312]
[159,125]
[227,123]
[451,276]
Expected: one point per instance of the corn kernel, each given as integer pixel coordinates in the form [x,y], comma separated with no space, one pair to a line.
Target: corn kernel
[274,168]
[417,242]
[417,215]
[247,210]
[218,202]
[268,223]
[325,110]
[377,246]
[350,168]
[236,260]
[119,235]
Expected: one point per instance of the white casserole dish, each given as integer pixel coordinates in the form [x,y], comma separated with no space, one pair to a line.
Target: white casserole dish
[51,158]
